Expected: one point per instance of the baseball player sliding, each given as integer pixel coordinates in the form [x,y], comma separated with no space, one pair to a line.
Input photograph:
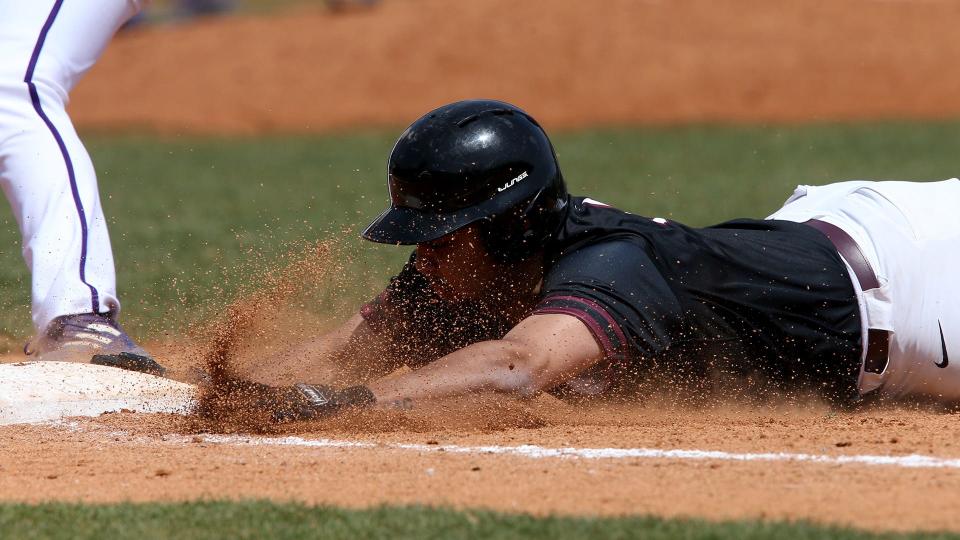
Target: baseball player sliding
[47,175]
[517,287]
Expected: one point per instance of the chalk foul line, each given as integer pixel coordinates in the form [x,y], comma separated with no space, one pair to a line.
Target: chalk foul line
[540,452]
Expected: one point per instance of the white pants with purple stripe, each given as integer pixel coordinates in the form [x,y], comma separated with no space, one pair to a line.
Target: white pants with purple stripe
[909,232]
[45,172]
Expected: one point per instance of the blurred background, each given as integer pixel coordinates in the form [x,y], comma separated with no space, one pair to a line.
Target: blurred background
[228,134]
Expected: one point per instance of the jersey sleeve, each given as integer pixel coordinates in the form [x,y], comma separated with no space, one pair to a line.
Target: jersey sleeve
[394,313]
[406,287]
[418,326]
[615,289]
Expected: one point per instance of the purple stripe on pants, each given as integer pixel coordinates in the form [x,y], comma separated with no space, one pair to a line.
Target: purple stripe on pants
[35,99]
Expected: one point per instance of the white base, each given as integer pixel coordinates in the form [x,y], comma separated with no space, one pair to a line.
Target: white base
[32,392]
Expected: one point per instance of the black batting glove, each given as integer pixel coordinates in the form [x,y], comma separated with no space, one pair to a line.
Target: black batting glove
[305,401]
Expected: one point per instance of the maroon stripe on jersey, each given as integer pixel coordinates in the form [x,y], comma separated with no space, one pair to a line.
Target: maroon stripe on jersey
[604,328]
[373,310]
[369,312]
[595,308]
[598,333]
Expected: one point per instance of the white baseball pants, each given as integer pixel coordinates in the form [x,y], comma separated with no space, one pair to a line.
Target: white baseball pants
[45,172]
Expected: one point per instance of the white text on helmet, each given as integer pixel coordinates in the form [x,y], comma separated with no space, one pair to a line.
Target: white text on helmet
[510,184]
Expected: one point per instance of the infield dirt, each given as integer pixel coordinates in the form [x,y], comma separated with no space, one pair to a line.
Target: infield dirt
[574,64]
[144,458]
[570,62]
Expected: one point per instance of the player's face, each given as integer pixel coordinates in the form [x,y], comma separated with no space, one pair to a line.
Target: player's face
[459,267]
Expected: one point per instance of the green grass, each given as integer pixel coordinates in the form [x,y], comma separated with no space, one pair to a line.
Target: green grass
[192,219]
[279,521]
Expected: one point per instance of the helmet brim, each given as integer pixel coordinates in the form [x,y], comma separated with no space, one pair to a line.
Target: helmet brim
[401,225]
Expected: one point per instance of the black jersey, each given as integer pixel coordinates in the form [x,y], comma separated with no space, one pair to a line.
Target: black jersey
[754,294]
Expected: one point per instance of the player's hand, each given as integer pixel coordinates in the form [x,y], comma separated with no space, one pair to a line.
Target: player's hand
[305,401]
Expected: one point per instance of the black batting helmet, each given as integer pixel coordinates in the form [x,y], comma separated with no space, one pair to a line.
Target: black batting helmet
[475,161]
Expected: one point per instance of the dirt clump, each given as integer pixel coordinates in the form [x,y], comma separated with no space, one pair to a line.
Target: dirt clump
[228,401]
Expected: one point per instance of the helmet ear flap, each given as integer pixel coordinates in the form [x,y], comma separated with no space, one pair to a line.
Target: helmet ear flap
[508,238]
[523,230]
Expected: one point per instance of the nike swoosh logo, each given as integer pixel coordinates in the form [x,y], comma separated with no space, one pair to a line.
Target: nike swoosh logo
[943,345]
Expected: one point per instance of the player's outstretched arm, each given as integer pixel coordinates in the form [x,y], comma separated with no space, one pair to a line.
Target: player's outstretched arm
[539,353]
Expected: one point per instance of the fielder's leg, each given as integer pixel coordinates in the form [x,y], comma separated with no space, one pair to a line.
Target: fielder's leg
[46,173]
